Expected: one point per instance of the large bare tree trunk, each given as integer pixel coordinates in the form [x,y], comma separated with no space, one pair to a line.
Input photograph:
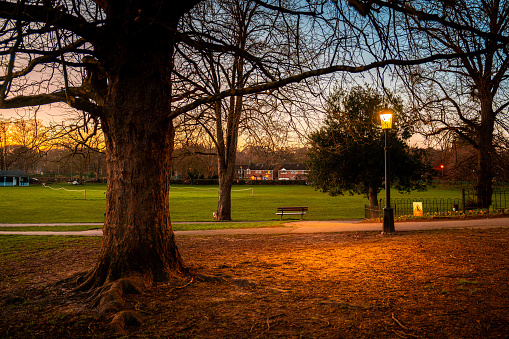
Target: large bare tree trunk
[373,196]
[226,170]
[484,186]
[227,155]
[373,201]
[138,239]
[224,202]
[485,150]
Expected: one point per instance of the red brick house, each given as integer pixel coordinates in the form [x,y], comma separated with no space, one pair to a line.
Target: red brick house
[254,172]
[297,171]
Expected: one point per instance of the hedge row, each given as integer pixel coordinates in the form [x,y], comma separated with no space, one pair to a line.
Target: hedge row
[238,182]
[41,180]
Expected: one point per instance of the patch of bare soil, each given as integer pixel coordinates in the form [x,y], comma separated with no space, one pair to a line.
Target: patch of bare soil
[441,284]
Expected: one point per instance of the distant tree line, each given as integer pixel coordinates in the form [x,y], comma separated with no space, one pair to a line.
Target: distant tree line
[39,148]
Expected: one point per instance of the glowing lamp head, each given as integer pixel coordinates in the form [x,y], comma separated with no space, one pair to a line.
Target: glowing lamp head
[386,119]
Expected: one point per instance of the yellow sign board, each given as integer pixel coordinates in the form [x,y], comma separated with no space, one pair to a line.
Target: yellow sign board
[417,209]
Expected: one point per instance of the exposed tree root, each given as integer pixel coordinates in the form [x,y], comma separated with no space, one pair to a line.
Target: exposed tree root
[109,298]
[122,320]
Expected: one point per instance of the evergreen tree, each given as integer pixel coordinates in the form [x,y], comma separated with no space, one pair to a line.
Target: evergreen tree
[347,153]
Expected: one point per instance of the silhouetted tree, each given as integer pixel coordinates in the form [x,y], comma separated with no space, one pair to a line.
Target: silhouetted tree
[347,154]
[464,98]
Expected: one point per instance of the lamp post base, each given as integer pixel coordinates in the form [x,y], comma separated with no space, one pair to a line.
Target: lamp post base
[388,223]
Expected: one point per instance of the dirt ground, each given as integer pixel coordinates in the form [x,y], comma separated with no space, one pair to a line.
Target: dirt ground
[434,284]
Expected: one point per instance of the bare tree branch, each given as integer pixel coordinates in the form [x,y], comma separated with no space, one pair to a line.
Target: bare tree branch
[285,10]
[53,16]
[313,73]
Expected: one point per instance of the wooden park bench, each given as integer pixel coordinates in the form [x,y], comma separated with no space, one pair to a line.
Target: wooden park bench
[292,210]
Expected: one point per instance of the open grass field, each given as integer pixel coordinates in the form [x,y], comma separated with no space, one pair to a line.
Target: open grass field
[38,204]
[435,284]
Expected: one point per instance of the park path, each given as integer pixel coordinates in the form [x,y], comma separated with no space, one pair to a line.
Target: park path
[299,227]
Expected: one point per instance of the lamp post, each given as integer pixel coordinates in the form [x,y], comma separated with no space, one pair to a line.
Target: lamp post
[388,222]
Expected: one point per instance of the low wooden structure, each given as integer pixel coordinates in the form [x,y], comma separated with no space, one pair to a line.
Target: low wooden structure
[14,178]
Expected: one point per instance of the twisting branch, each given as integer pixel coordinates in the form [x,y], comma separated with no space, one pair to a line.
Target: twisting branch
[64,66]
[49,57]
[77,99]
[305,75]
[52,16]
[202,45]
[4,88]
[281,9]
[402,7]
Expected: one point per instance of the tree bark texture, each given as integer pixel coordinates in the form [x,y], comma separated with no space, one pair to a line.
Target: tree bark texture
[227,155]
[227,145]
[485,150]
[373,196]
[224,202]
[138,239]
[373,201]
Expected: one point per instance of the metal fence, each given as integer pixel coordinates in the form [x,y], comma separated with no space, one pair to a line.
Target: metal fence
[372,212]
[497,200]
[468,203]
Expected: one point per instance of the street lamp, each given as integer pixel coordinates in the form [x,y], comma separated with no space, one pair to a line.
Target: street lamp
[388,222]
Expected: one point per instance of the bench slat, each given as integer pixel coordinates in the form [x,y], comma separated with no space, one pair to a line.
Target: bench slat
[292,210]
[281,213]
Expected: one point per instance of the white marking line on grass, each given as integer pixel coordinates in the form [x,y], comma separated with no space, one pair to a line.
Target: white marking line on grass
[61,188]
[65,189]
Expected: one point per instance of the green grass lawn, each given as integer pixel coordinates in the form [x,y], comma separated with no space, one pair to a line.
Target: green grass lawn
[176,226]
[38,204]
[260,202]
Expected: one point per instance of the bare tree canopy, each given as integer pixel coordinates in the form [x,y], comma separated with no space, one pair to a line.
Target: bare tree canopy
[463,98]
[69,36]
